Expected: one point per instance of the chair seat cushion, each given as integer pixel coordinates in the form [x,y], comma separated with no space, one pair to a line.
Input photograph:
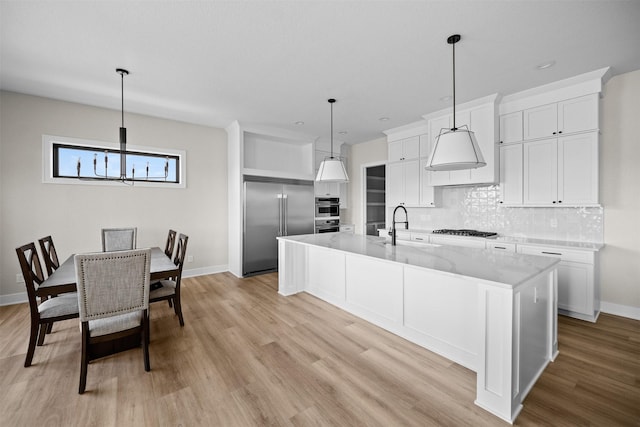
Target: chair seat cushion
[61,305]
[110,325]
[168,288]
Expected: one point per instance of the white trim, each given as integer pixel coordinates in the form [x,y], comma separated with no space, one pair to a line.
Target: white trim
[11,299]
[47,162]
[620,310]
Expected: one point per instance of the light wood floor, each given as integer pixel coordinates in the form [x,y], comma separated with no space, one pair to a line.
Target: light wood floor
[248,356]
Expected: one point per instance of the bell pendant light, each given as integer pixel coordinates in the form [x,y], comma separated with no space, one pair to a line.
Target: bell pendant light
[332,169]
[455,148]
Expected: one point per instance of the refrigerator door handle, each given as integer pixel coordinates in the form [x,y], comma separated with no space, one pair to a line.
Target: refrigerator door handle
[280,214]
[285,219]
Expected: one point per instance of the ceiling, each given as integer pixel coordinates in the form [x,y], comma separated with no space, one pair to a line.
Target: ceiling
[275,63]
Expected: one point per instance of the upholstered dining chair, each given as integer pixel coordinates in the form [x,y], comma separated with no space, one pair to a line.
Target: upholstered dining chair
[49,254]
[171,241]
[49,310]
[119,239]
[170,289]
[113,298]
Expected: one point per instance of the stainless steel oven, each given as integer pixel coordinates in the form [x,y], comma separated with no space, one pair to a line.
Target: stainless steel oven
[327,207]
[327,225]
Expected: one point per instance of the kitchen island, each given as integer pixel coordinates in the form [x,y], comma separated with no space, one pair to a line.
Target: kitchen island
[492,312]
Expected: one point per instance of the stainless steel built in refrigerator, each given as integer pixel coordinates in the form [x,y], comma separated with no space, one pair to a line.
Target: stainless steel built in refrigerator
[271,209]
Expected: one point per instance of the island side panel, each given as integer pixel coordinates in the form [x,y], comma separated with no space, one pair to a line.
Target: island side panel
[326,275]
[292,267]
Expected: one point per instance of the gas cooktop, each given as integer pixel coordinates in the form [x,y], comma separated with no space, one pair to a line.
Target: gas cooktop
[463,232]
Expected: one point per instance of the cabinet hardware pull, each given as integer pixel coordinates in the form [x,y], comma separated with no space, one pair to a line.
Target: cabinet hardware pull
[419,238]
[554,133]
[559,131]
[553,201]
[551,253]
[559,201]
[501,201]
[499,247]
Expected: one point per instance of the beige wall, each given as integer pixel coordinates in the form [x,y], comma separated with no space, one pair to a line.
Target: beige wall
[74,214]
[620,190]
[365,153]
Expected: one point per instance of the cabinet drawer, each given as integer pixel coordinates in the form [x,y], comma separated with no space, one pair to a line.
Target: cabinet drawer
[457,241]
[417,237]
[502,246]
[585,257]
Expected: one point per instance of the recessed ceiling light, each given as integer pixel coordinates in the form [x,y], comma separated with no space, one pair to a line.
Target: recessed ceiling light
[299,123]
[343,132]
[446,98]
[545,65]
[384,119]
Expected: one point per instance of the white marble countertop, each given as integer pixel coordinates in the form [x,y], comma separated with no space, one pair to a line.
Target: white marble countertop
[498,267]
[589,246]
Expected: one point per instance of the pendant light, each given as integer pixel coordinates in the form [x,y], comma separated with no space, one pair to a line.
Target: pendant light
[455,148]
[332,169]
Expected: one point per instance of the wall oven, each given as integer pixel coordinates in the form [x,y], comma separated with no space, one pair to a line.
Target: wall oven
[327,207]
[327,225]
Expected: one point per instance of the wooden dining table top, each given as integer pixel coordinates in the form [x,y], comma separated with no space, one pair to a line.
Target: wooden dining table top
[64,278]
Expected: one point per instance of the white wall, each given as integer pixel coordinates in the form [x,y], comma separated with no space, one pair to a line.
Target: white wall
[74,214]
[620,190]
[361,154]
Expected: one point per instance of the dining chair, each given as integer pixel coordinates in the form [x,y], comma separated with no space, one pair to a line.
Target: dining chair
[119,239]
[113,298]
[49,254]
[49,310]
[169,289]
[171,241]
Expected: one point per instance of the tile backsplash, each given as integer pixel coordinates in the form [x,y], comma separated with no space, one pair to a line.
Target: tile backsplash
[477,207]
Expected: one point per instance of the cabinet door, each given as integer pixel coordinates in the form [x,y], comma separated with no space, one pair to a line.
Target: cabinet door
[425,146]
[511,127]
[483,125]
[541,122]
[427,192]
[395,151]
[394,183]
[540,172]
[411,182]
[411,148]
[578,169]
[322,189]
[575,287]
[435,126]
[511,174]
[578,114]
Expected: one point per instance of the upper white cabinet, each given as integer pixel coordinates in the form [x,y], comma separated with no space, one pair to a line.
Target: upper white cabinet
[511,174]
[561,171]
[275,156]
[511,127]
[405,149]
[403,183]
[482,119]
[570,116]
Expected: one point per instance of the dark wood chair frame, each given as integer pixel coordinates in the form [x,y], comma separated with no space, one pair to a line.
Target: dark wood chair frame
[33,276]
[171,241]
[49,254]
[179,261]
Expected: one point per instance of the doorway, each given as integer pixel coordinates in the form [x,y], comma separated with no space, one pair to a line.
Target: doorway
[375,199]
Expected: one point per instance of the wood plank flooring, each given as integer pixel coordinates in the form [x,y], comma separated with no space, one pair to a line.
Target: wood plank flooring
[250,357]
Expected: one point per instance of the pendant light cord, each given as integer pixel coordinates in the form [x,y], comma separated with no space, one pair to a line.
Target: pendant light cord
[122,96]
[454,85]
[331,101]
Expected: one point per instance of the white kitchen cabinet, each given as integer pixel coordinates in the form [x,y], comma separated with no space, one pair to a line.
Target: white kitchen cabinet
[403,183]
[427,192]
[578,290]
[511,172]
[404,149]
[511,127]
[561,171]
[456,241]
[570,116]
[501,246]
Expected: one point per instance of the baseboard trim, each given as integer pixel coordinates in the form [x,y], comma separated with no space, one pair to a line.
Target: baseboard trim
[620,310]
[20,297]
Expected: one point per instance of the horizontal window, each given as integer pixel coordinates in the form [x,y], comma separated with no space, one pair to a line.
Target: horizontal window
[72,160]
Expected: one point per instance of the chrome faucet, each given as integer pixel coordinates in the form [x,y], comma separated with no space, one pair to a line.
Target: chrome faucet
[394,222]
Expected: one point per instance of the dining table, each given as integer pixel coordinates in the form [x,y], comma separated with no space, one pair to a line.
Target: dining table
[64,278]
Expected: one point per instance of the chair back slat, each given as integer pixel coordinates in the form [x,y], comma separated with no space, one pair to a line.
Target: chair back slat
[49,254]
[112,283]
[171,241]
[31,272]
[181,251]
[119,239]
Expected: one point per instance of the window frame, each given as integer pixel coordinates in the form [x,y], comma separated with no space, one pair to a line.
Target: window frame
[50,141]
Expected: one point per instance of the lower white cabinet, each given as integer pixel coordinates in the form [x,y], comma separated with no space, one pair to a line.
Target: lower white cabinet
[578,290]
[501,246]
